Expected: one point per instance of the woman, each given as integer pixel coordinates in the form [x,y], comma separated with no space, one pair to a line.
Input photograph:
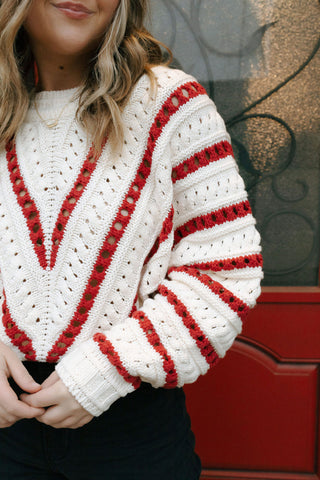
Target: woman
[128,253]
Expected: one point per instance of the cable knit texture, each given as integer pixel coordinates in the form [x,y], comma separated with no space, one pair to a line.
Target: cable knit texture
[128,266]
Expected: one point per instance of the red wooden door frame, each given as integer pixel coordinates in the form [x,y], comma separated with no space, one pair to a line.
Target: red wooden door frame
[283,328]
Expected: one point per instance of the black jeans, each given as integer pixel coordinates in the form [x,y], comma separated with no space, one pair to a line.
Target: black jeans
[142,436]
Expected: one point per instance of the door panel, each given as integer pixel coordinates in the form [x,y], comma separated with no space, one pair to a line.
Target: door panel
[262,415]
[289,331]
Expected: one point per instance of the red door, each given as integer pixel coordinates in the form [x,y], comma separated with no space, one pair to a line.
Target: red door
[256,415]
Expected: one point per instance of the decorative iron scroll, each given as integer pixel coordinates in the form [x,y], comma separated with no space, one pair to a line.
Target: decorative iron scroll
[258,60]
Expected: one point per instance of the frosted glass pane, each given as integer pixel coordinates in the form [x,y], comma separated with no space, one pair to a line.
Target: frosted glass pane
[259,60]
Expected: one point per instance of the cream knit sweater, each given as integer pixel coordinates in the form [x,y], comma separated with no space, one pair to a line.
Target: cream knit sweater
[138,265]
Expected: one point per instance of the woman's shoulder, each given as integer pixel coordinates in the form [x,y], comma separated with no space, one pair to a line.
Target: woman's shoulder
[168,77]
[179,101]
[166,88]
[167,80]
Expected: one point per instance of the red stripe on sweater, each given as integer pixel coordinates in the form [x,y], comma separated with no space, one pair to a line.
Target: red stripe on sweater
[237,305]
[178,98]
[167,227]
[31,212]
[202,159]
[196,333]
[134,308]
[210,220]
[27,204]
[154,340]
[235,263]
[18,337]
[72,199]
[107,349]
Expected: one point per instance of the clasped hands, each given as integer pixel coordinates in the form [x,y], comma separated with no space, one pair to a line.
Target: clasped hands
[50,403]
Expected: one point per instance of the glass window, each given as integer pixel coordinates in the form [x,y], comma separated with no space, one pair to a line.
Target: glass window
[259,61]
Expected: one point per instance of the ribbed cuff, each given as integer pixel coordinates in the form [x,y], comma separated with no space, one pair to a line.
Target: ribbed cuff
[92,379]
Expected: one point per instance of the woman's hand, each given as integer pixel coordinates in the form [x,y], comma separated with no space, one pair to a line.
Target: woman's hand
[63,410]
[11,408]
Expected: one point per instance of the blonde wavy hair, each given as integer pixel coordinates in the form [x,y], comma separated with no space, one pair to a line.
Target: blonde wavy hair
[127,51]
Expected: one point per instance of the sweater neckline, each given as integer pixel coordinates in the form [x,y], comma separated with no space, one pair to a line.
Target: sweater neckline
[56,96]
[51,102]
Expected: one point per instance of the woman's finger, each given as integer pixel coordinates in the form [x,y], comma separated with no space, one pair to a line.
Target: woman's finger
[46,397]
[52,379]
[56,417]
[53,416]
[20,374]
[11,406]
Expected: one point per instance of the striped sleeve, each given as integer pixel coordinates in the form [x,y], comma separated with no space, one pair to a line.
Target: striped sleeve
[215,266]
[194,313]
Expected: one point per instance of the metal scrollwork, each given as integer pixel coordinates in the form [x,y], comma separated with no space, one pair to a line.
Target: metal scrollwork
[261,176]
[309,252]
[276,190]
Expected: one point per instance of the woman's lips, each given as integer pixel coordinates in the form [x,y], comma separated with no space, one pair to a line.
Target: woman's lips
[73,10]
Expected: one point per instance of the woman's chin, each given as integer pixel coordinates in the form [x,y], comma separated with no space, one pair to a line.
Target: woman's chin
[72,46]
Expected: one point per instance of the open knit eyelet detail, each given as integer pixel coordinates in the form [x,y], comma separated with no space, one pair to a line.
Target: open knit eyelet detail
[126,209]
[17,336]
[118,226]
[108,250]
[194,329]
[26,203]
[154,340]
[107,349]
[225,295]
[175,101]
[209,220]
[201,159]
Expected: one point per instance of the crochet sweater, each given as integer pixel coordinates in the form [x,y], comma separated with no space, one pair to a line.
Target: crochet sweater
[135,265]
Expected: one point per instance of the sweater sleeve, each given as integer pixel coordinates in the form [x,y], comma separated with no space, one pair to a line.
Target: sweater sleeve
[191,316]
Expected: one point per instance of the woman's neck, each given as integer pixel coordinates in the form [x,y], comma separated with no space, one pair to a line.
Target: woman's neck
[60,72]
